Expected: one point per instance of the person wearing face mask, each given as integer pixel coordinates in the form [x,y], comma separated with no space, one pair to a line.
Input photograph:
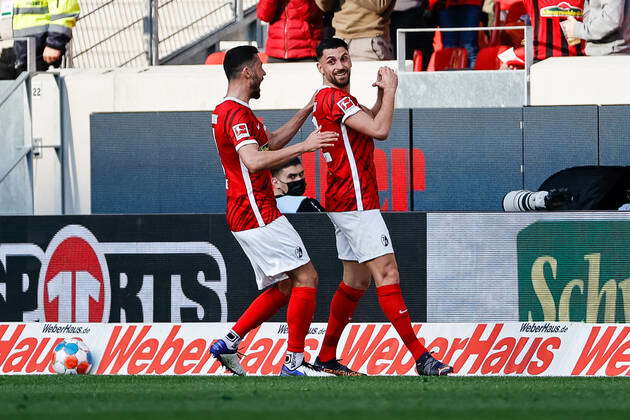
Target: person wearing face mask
[289,186]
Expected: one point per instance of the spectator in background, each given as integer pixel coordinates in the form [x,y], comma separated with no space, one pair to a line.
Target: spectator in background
[461,14]
[289,186]
[363,25]
[413,14]
[605,28]
[295,29]
[50,23]
[549,41]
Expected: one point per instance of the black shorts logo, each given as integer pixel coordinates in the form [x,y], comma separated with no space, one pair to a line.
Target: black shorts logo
[384,240]
[299,252]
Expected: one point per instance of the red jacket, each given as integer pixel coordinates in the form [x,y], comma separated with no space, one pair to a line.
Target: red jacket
[295,27]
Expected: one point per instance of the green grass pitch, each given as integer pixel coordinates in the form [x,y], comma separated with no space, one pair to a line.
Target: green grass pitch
[170,397]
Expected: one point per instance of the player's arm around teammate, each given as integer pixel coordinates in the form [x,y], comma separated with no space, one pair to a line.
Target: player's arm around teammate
[256,160]
[276,252]
[280,137]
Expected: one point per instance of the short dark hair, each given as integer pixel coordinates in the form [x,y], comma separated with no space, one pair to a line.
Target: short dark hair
[329,43]
[236,58]
[292,162]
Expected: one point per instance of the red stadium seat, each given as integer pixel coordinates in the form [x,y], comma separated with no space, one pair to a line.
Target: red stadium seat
[217,57]
[448,59]
[487,58]
[417,60]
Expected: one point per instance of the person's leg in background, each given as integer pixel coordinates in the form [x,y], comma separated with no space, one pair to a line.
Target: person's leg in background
[447,18]
[417,17]
[469,16]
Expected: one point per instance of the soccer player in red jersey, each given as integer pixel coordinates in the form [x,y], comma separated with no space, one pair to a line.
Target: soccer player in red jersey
[275,250]
[363,242]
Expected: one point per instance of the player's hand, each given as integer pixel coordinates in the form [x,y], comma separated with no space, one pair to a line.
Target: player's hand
[319,139]
[379,78]
[388,79]
[50,55]
[311,102]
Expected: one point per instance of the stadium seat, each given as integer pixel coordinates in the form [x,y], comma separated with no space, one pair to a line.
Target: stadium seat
[417,60]
[448,59]
[508,13]
[217,57]
[487,57]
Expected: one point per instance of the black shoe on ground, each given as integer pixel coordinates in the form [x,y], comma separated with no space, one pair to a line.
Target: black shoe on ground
[428,365]
[333,366]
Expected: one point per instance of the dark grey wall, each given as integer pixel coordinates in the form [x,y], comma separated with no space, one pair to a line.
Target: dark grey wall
[452,159]
[473,157]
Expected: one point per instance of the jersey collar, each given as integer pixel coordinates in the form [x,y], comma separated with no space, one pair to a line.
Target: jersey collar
[238,101]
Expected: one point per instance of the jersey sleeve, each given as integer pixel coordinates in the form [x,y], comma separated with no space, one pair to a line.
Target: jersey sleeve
[342,106]
[239,128]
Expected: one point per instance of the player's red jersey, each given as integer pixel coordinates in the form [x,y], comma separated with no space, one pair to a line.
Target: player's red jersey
[250,199]
[546,15]
[351,171]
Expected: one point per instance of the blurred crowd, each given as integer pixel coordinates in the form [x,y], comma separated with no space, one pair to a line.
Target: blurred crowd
[559,28]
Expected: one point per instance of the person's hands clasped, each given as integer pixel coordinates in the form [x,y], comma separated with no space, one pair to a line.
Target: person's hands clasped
[319,139]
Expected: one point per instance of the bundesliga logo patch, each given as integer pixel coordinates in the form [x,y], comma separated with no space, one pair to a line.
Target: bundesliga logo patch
[345,104]
[240,131]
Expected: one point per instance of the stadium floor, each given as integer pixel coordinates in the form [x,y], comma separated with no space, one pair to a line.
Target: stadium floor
[153,397]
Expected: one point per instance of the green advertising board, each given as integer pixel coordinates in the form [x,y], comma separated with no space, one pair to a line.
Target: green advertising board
[574,271]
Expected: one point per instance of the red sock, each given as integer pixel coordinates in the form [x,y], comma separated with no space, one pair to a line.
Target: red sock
[299,316]
[393,306]
[260,310]
[342,307]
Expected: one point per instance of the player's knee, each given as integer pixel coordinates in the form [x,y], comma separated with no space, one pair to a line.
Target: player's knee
[285,287]
[306,277]
[359,283]
[389,273]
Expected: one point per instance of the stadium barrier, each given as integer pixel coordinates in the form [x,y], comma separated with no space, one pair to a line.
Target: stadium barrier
[568,266]
[502,349]
[454,267]
[169,268]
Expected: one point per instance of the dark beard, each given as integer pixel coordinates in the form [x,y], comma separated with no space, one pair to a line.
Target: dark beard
[333,80]
[256,94]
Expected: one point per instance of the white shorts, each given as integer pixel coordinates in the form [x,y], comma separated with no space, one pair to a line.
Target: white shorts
[361,235]
[273,250]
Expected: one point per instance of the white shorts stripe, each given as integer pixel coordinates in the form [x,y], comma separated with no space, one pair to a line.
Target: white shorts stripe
[353,167]
[250,193]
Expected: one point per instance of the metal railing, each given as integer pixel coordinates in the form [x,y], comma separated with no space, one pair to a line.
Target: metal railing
[529,57]
[16,188]
[119,33]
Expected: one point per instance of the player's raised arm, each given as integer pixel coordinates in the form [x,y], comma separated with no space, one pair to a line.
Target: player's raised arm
[378,126]
[256,160]
[280,137]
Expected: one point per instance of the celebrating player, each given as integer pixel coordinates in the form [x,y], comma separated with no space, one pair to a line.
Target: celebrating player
[272,245]
[363,242]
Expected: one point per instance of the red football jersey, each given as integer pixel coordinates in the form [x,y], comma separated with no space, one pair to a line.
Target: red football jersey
[546,15]
[351,171]
[250,199]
